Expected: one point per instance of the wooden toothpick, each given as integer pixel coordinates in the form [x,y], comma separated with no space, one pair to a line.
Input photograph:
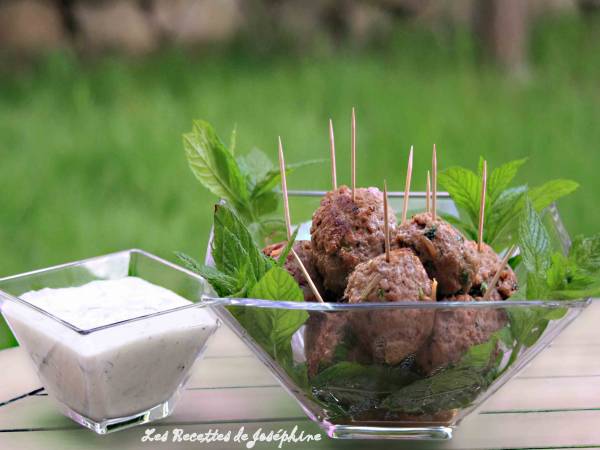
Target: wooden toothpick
[407,185]
[386,222]
[482,207]
[492,285]
[353,157]
[288,223]
[434,180]
[332,151]
[286,204]
[428,193]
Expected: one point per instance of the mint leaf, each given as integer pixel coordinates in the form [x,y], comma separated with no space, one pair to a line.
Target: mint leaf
[585,252]
[277,284]
[534,241]
[537,287]
[575,294]
[351,388]
[543,196]
[270,179]
[527,325]
[224,285]
[255,166]
[273,328]
[503,203]
[501,214]
[214,165]
[454,387]
[501,177]
[188,262]
[233,249]
[464,186]
[467,228]
[288,247]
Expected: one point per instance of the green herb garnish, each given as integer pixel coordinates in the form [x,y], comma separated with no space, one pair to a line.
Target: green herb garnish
[454,387]
[246,182]
[273,328]
[504,203]
[553,275]
[550,276]
[242,270]
[351,388]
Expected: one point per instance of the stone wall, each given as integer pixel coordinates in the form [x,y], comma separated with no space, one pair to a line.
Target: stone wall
[29,27]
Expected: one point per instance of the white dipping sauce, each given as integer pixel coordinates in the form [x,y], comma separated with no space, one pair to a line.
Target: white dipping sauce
[105,301]
[121,370]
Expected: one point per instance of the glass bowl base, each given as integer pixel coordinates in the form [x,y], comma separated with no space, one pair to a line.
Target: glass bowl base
[440,433]
[157,412]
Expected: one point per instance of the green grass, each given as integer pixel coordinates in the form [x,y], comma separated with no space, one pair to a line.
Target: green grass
[92,160]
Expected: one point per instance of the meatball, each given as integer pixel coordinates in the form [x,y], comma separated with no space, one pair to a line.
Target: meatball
[345,233]
[489,261]
[391,335]
[323,333]
[304,251]
[442,250]
[457,330]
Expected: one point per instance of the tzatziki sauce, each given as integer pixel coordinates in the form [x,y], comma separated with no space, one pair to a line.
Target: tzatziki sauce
[120,370]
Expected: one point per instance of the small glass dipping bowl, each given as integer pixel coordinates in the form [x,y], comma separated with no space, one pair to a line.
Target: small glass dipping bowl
[122,374]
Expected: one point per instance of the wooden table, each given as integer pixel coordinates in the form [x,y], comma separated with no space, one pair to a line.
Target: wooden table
[553,403]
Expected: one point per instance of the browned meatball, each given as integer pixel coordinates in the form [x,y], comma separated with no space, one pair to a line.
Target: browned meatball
[489,261]
[391,335]
[345,233]
[457,330]
[304,250]
[442,250]
[323,333]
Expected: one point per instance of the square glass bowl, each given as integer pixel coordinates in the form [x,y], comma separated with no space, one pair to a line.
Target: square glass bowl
[424,382]
[121,374]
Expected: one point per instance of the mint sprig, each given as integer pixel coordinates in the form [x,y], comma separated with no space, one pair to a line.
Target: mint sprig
[454,387]
[242,270]
[550,276]
[504,202]
[553,275]
[273,328]
[247,182]
[534,241]
[214,165]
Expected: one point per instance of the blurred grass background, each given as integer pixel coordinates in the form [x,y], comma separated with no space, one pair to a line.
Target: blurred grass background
[92,158]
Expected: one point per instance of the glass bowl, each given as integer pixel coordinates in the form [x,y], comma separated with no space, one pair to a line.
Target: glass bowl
[362,371]
[120,374]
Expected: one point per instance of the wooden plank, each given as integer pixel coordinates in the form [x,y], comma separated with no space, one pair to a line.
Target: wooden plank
[230,372]
[527,394]
[583,331]
[562,361]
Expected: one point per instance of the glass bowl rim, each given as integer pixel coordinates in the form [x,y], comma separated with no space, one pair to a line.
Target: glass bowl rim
[6,296]
[438,305]
[444,305]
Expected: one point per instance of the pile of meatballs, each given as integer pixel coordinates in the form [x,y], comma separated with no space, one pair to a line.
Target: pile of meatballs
[346,260]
